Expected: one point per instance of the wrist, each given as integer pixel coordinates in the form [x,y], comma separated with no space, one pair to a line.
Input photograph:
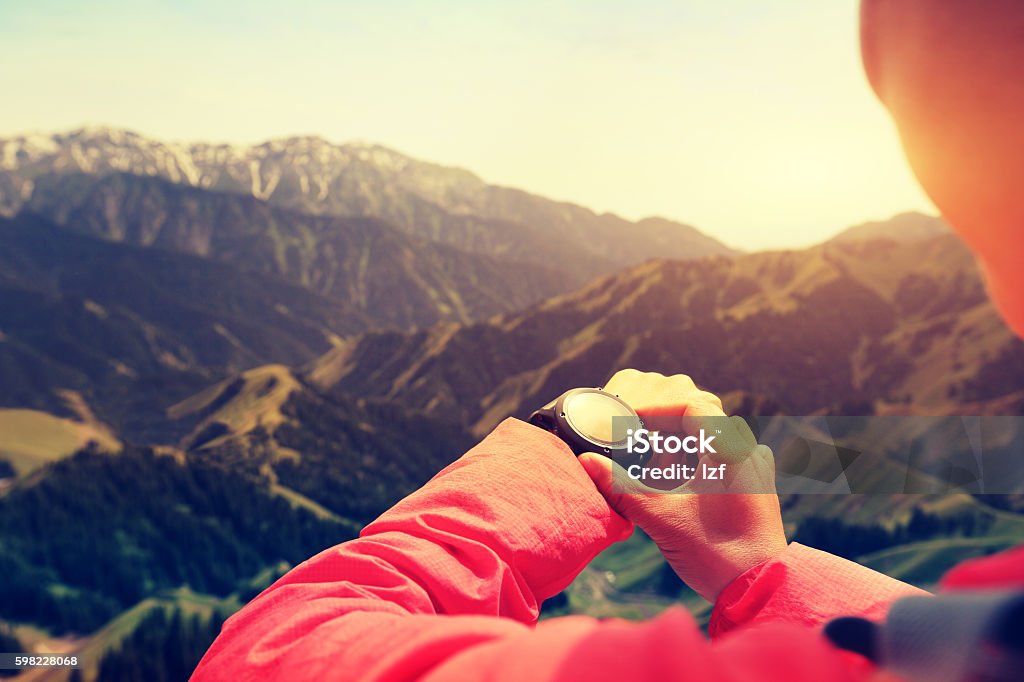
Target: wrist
[745,563]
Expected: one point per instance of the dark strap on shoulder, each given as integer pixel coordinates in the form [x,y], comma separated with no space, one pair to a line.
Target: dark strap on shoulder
[956,637]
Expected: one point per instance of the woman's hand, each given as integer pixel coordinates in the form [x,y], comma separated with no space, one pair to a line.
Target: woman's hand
[709,530]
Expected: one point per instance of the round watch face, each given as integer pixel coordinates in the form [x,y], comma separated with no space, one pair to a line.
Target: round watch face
[599,417]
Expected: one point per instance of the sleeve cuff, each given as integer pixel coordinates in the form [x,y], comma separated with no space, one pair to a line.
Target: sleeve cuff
[808,587]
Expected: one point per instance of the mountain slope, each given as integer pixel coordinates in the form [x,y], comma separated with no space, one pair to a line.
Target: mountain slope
[311,175]
[841,323]
[121,528]
[270,473]
[32,439]
[910,226]
[135,329]
[354,458]
[394,279]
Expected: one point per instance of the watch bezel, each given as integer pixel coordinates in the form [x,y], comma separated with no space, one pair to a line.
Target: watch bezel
[552,417]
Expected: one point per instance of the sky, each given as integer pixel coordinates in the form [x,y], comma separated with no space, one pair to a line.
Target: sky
[750,120]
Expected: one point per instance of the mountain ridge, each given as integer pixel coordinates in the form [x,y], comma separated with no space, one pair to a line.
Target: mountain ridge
[314,176]
[395,279]
[129,326]
[873,321]
[906,226]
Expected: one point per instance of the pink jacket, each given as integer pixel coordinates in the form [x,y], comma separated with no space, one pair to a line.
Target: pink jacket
[447,585]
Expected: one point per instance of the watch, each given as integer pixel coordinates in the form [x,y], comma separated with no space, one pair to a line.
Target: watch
[590,420]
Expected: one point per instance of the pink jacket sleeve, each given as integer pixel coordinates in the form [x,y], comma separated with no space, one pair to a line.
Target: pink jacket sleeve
[448,583]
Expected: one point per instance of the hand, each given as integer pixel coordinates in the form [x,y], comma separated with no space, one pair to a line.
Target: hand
[710,532]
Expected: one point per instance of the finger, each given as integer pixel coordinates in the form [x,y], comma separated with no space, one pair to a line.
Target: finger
[765,459]
[657,395]
[711,399]
[666,460]
[667,411]
[625,495]
[609,477]
[753,475]
[621,379]
[733,439]
[762,469]
[700,406]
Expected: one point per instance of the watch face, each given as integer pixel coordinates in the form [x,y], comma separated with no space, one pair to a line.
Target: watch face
[599,417]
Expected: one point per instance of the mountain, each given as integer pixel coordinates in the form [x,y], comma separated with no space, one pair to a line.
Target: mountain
[125,527]
[311,175]
[33,439]
[910,226]
[842,325]
[270,472]
[393,279]
[135,329]
[272,449]
[217,361]
[353,457]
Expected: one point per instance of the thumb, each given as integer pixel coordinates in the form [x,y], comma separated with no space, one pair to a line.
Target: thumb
[600,471]
[624,494]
